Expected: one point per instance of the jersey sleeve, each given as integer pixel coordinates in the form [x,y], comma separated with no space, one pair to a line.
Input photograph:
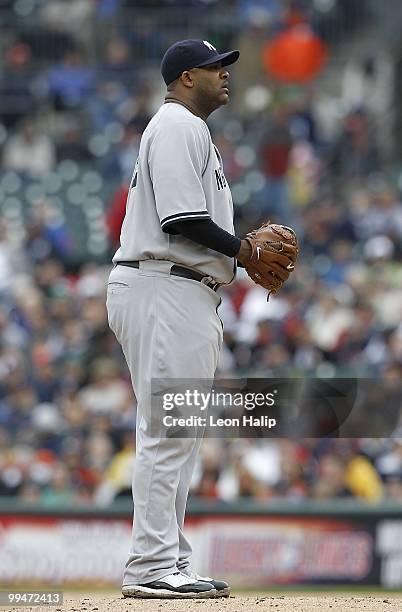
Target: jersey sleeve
[177,158]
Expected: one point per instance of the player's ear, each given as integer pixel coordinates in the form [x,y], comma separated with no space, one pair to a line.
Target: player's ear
[187,78]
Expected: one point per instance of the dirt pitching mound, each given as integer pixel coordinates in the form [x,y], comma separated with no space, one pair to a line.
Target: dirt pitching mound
[321,603]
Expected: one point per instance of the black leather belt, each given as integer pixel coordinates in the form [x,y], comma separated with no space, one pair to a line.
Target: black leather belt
[176,270]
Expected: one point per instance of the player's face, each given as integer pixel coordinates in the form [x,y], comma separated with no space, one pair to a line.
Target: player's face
[212,84]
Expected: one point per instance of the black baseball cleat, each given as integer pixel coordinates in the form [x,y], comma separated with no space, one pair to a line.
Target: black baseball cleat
[173,586]
[222,588]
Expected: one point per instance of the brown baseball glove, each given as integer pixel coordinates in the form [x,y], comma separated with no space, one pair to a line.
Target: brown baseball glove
[274,251]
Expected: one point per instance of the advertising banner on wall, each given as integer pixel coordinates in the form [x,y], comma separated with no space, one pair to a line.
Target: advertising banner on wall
[389,549]
[252,551]
[58,551]
[292,551]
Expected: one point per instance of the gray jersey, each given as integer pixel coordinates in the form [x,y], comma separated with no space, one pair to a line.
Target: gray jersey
[178,176]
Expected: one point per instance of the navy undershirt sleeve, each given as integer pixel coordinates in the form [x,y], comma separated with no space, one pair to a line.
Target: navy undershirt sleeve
[207,233]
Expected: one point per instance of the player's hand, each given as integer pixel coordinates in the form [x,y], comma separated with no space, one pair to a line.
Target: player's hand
[274,252]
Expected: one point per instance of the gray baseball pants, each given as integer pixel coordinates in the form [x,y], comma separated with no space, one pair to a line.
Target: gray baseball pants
[168,328]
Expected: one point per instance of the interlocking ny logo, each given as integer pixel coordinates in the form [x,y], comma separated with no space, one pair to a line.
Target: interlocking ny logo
[208,44]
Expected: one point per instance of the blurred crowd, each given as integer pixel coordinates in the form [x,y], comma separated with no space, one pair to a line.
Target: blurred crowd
[293,155]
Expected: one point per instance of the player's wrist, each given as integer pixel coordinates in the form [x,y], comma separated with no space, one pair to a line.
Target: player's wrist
[244,252]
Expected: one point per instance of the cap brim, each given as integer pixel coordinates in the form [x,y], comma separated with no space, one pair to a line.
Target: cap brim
[226,58]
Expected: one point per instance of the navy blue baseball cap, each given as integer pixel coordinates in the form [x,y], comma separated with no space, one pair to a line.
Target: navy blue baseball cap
[192,53]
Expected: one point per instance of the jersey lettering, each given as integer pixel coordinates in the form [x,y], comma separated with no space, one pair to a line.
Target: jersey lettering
[220,179]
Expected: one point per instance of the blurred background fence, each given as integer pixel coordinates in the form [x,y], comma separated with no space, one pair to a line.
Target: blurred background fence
[252,546]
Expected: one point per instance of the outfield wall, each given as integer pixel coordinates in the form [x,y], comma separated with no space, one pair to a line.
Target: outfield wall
[252,545]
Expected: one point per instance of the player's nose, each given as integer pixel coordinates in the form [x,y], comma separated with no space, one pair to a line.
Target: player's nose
[224,73]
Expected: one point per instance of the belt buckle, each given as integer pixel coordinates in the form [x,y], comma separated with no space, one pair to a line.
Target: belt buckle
[210,282]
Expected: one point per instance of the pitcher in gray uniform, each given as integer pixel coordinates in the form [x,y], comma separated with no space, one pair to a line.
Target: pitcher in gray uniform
[177,248]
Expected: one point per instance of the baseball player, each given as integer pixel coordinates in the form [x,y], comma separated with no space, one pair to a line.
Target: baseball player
[177,248]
